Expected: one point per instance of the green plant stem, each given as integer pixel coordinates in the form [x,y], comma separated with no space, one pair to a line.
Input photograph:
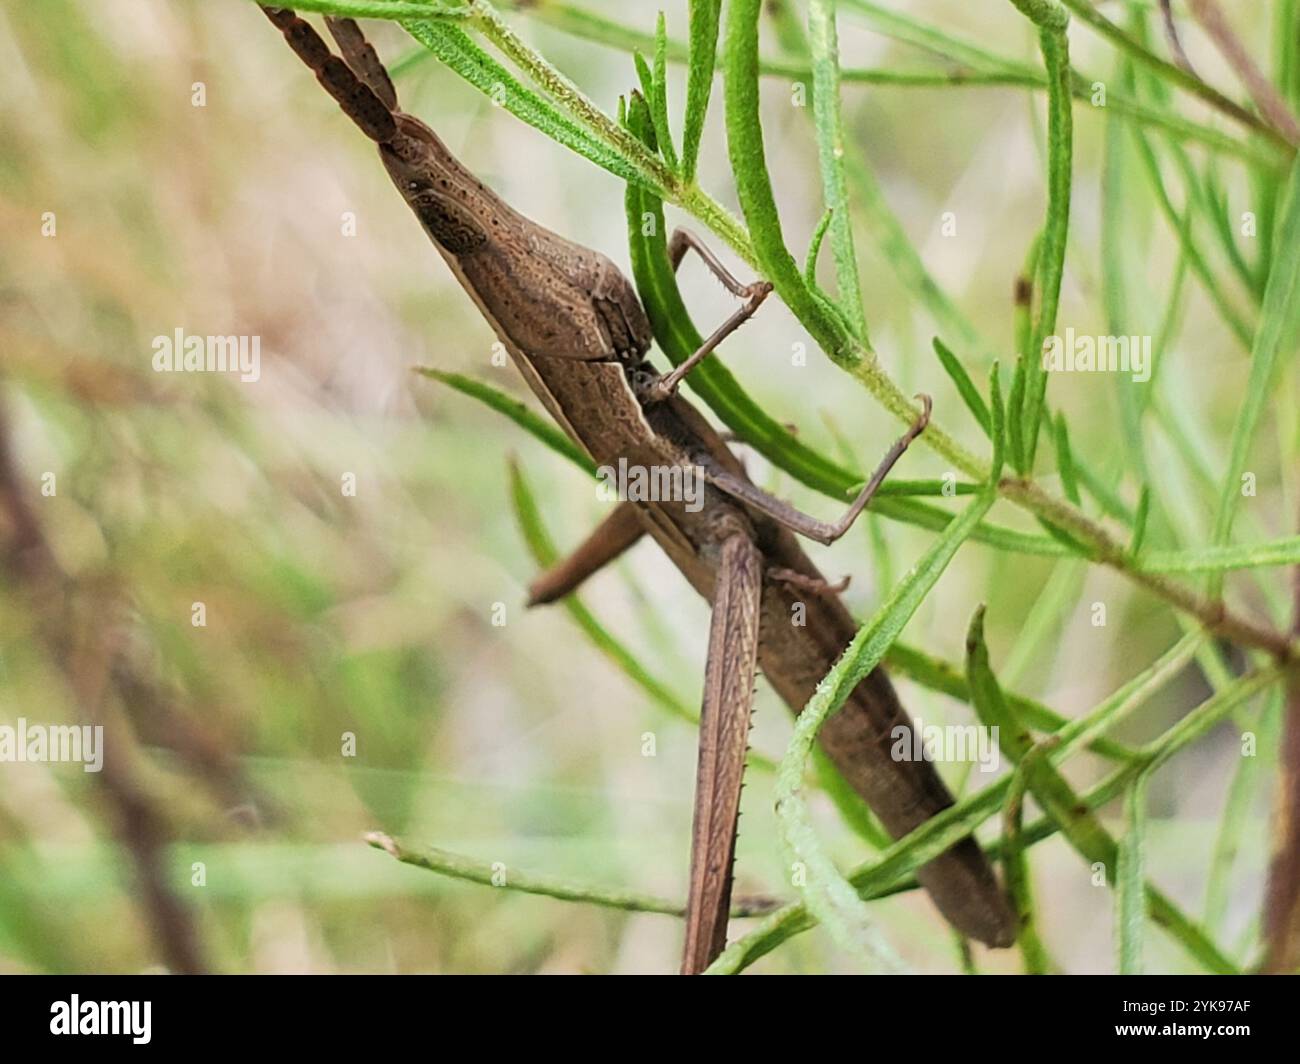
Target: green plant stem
[457,866]
[1209,611]
[1016,869]
[395,10]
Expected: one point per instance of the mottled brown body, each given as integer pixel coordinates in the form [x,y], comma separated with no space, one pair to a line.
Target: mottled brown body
[573,325]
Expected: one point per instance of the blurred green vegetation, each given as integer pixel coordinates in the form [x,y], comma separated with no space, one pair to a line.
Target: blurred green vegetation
[262,212]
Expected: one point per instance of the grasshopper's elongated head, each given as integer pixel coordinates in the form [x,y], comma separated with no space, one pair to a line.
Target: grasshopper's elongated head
[547,296]
[550,296]
[435,185]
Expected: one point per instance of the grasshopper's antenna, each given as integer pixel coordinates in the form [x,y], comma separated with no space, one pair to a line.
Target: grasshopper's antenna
[359,101]
[361,57]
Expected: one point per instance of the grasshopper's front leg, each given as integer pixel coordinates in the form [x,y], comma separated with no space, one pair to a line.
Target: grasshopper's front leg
[753,294]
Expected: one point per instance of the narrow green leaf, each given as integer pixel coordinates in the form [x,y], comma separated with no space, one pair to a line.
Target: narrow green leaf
[703,55]
[458,866]
[997,425]
[965,386]
[754,186]
[1103,493]
[901,25]
[1181,225]
[712,381]
[825,891]
[848,803]
[1286,60]
[902,487]
[657,109]
[544,553]
[1054,44]
[1071,544]
[824,44]
[454,48]
[1026,287]
[517,412]
[387,9]
[1140,522]
[1130,892]
[1215,199]
[1065,461]
[924,515]
[659,103]
[1220,560]
[1237,812]
[889,872]
[1017,870]
[1080,827]
[1014,862]
[937,675]
[647,79]
[815,247]
[1039,634]
[1015,417]
[1277,330]
[1125,232]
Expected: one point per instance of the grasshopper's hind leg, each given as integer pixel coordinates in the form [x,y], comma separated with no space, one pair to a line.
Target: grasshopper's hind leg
[724,742]
[619,531]
[804,524]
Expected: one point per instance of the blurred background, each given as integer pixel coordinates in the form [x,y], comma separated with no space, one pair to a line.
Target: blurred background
[197,178]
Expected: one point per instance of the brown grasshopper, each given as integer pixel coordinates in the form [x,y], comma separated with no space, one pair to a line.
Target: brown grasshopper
[574,327]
